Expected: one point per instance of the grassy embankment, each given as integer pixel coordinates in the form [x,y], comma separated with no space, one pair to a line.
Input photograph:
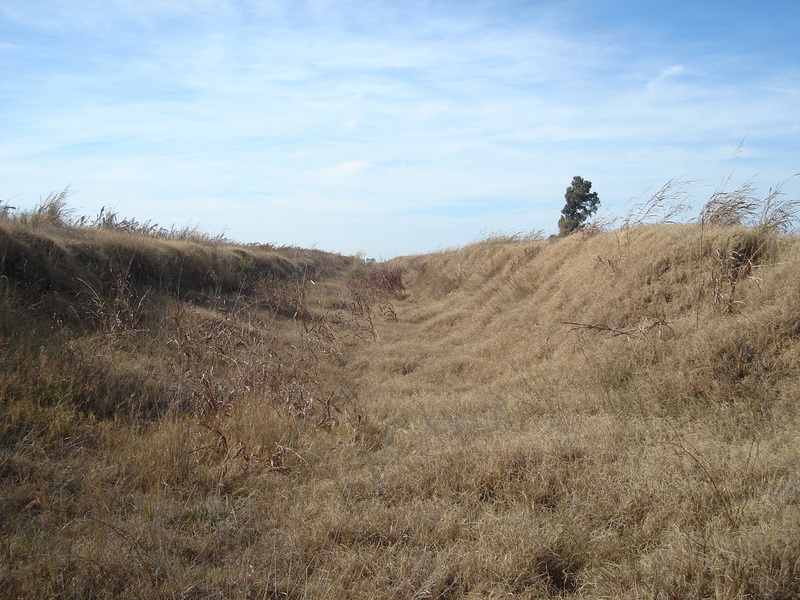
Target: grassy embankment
[611,415]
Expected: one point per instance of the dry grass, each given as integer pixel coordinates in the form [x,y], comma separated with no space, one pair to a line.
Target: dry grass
[742,207]
[604,416]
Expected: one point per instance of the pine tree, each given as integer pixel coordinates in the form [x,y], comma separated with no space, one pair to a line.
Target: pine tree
[581,204]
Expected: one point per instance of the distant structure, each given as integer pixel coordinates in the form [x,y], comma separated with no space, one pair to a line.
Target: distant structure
[371,260]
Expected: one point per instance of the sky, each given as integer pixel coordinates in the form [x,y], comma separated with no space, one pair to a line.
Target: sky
[391,127]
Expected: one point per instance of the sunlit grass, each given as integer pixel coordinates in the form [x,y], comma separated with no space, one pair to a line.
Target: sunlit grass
[612,414]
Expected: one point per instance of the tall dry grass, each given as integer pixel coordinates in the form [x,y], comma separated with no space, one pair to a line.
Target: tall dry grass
[601,416]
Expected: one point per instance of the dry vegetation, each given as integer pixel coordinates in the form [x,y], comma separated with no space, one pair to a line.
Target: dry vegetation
[609,415]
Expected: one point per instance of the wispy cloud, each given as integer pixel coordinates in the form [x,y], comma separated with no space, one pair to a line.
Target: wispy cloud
[344,171]
[665,74]
[289,110]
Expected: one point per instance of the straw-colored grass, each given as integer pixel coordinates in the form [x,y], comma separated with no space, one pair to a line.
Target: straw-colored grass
[601,416]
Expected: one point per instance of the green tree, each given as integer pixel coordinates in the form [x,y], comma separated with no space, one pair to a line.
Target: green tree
[581,204]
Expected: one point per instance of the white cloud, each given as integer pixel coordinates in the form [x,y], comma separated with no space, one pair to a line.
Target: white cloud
[344,171]
[377,108]
[669,73]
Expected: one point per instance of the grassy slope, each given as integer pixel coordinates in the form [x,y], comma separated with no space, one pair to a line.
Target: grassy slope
[613,415]
[603,416]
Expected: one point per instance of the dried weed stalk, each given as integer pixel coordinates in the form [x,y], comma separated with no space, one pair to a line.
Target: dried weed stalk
[742,206]
[779,215]
[727,209]
[659,326]
[121,308]
[650,332]
[730,267]
[663,207]
[376,287]
[231,361]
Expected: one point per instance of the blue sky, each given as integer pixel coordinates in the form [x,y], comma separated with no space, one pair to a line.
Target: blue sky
[390,127]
